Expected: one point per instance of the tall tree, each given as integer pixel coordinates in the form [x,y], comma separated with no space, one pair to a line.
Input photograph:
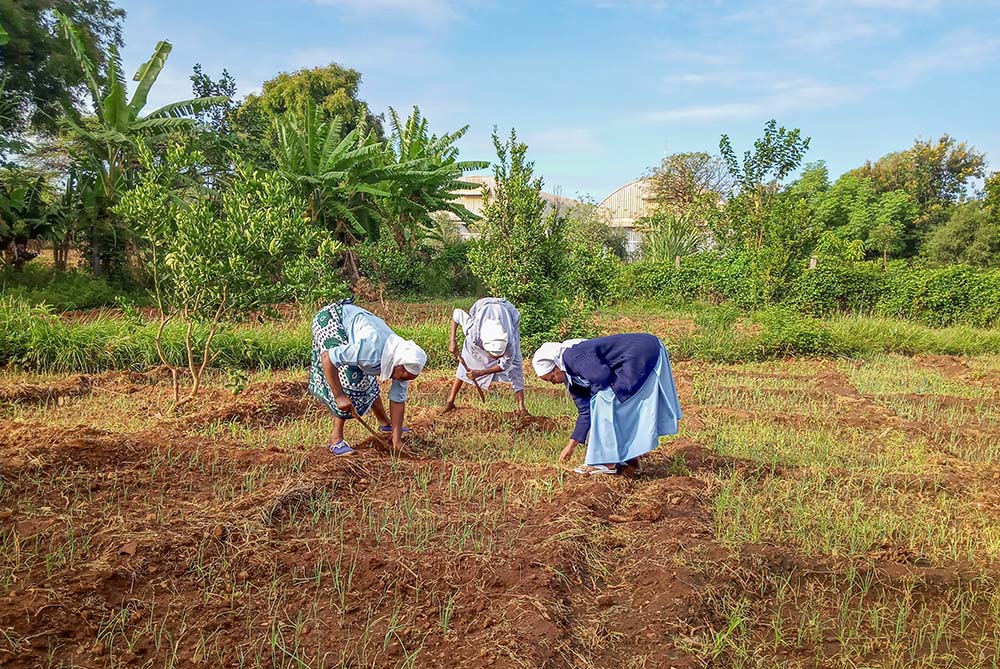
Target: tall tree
[688,182]
[331,89]
[757,178]
[112,133]
[38,67]
[520,252]
[428,173]
[937,174]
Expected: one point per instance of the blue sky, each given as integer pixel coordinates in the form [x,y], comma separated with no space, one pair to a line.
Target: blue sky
[602,89]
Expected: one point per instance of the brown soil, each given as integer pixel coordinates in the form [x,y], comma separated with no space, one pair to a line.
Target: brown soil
[195,546]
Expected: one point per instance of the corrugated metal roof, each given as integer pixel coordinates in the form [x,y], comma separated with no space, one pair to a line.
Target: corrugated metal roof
[630,202]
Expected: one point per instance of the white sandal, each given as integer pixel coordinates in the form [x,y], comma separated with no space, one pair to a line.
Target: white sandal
[592,470]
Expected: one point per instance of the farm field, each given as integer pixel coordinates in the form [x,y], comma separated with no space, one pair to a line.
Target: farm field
[811,513]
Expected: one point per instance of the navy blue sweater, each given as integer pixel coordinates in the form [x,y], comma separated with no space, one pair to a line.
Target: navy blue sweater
[621,362]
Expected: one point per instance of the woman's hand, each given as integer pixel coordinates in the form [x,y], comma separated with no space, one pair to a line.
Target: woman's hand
[344,403]
[453,348]
[567,452]
[474,374]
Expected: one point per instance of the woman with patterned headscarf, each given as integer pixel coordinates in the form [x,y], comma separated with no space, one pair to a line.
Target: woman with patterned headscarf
[624,393]
[353,349]
[491,351]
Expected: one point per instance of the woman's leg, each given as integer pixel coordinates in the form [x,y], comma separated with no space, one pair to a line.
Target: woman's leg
[453,395]
[379,410]
[337,434]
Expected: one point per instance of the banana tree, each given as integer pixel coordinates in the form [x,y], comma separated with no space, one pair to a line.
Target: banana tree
[428,175]
[23,214]
[4,37]
[340,174]
[119,122]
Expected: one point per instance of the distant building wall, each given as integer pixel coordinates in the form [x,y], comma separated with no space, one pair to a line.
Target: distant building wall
[472,199]
[625,206]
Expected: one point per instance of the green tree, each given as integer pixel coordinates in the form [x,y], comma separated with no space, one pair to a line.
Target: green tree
[331,89]
[992,193]
[339,173]
[853,208]
[812,184]
[425,173]
[588,225]
[118,123]
[217,261]
[214,133]
[39,72]
[520,253]
[757,178]
[936,174]
[971,236]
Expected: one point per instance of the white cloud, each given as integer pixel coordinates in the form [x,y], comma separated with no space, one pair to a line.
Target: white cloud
[564,139]
[958,51]
[785,96]
[382,54]
[432,11]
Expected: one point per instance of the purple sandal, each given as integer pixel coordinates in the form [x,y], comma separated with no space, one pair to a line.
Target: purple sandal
[388,428]
[341,448]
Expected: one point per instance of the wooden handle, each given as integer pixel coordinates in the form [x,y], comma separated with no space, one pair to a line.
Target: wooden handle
[475,382]
[378,437]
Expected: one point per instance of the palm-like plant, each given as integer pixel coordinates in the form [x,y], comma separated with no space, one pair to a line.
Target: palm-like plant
[340,174]
[428,174]
[669,235]
[119,121]
[111,136]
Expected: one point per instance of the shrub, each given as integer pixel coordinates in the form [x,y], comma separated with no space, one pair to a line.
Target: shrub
[785,332]
[838,288]
[940,297]
[592,273]
[422,270]
[64,291]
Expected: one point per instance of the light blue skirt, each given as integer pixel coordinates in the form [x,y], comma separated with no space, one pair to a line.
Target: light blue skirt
[620,431]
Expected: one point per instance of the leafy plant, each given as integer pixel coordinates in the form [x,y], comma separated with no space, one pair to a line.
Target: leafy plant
[338,173]
[23,214]
[426,175]
[211,263]
[669,234]
[111,136]
[520,254]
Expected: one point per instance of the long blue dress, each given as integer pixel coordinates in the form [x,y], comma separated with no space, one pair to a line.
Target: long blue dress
[625,395]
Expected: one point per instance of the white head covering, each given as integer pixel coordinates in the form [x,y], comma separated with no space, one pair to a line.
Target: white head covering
[494,337]
[405,352]
[549,356]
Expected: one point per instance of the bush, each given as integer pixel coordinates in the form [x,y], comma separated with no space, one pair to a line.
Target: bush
[940,297]
[423,270]
[64,291]
[937,297]
[785,332]
[838,288]
[592,272]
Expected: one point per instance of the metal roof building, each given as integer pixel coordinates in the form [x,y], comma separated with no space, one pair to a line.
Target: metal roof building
[628,204]
[472,199]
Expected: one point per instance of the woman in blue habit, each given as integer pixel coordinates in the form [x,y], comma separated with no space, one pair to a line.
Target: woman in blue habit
[624,393]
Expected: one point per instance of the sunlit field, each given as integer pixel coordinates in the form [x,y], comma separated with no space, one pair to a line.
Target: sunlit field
[811,513]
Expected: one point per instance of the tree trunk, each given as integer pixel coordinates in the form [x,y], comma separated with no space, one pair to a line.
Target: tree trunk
[351,270]
[95,251]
